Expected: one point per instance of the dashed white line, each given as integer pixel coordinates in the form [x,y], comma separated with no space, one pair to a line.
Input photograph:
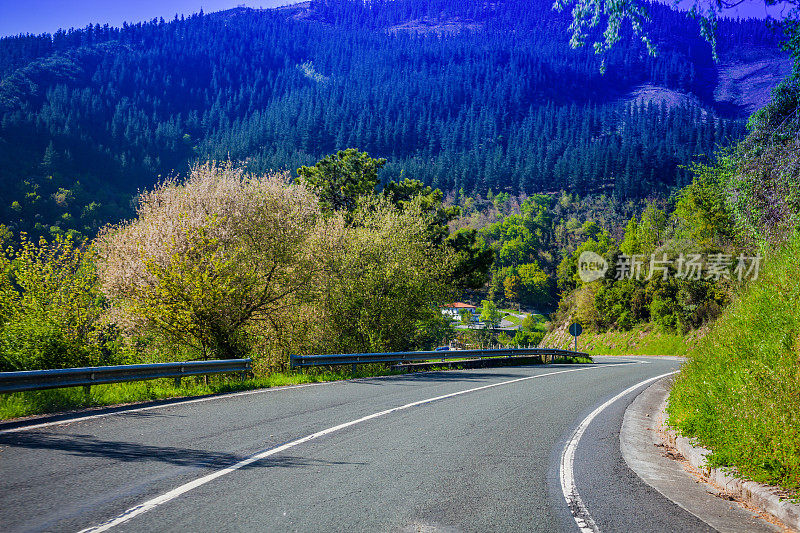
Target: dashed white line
[576,506]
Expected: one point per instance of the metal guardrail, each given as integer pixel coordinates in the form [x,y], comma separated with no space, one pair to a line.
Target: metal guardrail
[86,377]
[396,357]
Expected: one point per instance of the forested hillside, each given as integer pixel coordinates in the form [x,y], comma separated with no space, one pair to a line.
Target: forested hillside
[455,94]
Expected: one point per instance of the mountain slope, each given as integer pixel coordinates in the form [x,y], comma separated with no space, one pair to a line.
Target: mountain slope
[459,95]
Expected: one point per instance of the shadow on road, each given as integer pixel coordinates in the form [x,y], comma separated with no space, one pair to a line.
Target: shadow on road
[470,375]
[90,446]
[437,376]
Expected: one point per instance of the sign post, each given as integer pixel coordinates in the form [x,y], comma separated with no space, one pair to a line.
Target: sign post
[575,330]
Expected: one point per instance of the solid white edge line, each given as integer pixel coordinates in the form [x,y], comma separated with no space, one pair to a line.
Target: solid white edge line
[178,401]
[183,489]
[576,506]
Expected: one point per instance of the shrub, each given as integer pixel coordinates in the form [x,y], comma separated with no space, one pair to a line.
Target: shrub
[50,308]
[384,282]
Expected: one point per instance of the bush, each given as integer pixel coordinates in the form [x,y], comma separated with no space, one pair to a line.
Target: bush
[385,284]
[50,308]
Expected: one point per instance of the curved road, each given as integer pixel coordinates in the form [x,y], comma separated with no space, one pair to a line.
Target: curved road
[475,450]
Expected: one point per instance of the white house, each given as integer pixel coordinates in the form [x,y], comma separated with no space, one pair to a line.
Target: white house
[454,310]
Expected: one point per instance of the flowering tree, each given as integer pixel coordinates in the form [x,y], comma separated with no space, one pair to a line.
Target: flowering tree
[209,257]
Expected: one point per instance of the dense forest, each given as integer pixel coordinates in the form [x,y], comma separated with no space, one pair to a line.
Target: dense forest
[458,95]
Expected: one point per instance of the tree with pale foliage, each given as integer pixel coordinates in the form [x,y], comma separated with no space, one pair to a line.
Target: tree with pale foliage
[511,286]
[209,258]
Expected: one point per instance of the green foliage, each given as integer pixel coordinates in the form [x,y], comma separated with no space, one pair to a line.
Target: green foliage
[536,286]
[651,229]
[603,245]
[701,213]
[531,332]
[386,284]
[50,308]
[587,14]
[342,178]
[473,259]
[699,223]
[433,330]
[738,394]
[490,315]
[762,175]
[430,201]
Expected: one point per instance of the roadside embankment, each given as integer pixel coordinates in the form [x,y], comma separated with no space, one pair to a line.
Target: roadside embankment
[739,393]
[641,340]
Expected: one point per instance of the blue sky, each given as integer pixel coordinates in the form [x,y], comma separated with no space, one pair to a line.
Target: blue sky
[39,16]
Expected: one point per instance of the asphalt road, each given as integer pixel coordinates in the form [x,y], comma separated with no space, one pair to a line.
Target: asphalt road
[485,460]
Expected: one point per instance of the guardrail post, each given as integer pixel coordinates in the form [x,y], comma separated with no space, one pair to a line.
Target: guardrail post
[177,382]
[87,389]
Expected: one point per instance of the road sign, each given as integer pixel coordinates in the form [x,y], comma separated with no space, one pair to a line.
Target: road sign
[575,329]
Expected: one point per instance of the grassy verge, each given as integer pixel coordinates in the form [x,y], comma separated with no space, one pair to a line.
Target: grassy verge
[739,394]
[642,340]
[52,401]
[639,341]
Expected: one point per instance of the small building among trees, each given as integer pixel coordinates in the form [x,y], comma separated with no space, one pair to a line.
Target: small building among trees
[454,310]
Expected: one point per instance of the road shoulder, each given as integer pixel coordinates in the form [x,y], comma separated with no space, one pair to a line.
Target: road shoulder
[643,448]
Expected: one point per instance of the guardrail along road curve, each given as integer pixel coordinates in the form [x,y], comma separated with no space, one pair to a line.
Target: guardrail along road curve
[472,450]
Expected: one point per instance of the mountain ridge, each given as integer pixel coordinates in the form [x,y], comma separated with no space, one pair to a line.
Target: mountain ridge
[102,112]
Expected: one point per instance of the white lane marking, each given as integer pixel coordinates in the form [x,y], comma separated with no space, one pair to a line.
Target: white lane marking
[579,511]
[177,403]
[180,402]
[183,489]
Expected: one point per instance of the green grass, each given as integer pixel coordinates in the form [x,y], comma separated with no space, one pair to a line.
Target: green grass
[642,340]
[639,341]
[57,400]
[513,319]
[739,393]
